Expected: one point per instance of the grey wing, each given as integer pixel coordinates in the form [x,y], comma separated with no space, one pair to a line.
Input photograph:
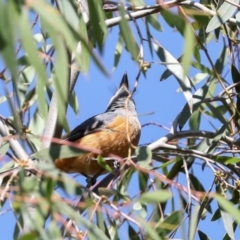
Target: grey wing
[93,124]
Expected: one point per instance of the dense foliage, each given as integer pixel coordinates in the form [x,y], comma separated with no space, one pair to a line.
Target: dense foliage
[45,45]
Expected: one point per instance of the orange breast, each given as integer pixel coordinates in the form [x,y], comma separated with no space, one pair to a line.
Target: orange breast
[111,140]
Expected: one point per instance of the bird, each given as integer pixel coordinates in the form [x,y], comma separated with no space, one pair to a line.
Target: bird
[116,131]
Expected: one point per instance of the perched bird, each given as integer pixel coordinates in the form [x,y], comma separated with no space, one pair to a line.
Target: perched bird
[116,131]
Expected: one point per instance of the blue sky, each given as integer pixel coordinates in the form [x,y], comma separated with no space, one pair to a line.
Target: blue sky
[94,91]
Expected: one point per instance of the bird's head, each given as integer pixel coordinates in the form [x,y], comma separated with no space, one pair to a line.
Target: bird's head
[122,98]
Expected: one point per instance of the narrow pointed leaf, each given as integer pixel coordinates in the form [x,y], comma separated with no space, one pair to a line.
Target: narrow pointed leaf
[157,196]
[225,12]
[169,223]
[177,70]
[152,19]
[29,46]
[227,222]
[58,151]
[51,16]
[202,235]
[198,96]
[144,156]
[127,36]
[228,207]
[188,48]
[7,37]
[97,21]
[118,52]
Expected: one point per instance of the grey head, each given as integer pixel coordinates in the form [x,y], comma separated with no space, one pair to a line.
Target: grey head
[118,100]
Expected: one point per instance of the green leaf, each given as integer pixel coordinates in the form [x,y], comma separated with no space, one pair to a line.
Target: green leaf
[53,231]
[170,223]
[163,160]
[66,183]
[220,109]
[29,46]
[165,75]
[43,10]
[196,184]
[39,38]
[203,68]
[216,215]
[217,112]
[196,53]
[3,168]
[228,207]
[118,52]
[103,163]
[203,236]
[127,35]
[132,233]
[73,102]
[235,77]
[193,223]
[28,184]
[93,231]
[25,79]
[195,120]
[7,38]
[85,54]
[61,72]
[149,38]
[101,223]
[227,222]
[58,151]
[223,14]
[151,232]
[29,236]
[235,196]
[143,180]
[4,146]
[221,60]
[198,96]
[36,127]
[188,48]
[36,218]
[144,156]
[153,20]
[3,99]
[226,159]
[97,22]
[137,206]
[174,20]
[175,67]
[217,138]
[69,12]
[138,3]
[176,168]
[50,15]
[157,196]
[107,192]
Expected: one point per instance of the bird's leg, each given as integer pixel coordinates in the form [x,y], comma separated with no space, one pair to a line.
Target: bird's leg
[90,181]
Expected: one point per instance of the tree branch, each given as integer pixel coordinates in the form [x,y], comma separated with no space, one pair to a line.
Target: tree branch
[140,12]
[74,73]
[15,146]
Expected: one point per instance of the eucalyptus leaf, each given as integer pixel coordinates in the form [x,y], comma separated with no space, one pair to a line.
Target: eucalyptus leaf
[58,151]
[175,67]
[157,196]
[223,14]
